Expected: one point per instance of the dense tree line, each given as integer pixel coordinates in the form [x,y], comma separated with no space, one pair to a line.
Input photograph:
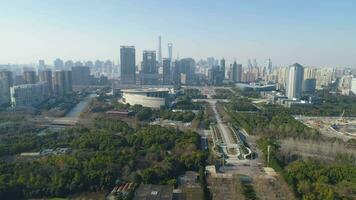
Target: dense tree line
[185,116]
[273,121]
[241,104]
[107,154]
[193,93]
[223,94]
[312,180]
[330,105]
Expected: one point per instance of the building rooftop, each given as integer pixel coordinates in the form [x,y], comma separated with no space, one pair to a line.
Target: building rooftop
[137,90]
[154,192]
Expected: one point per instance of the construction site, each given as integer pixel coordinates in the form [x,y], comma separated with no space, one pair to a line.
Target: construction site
[340,127]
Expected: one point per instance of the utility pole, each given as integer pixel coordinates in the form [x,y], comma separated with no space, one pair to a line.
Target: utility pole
[223,162]
[268,150]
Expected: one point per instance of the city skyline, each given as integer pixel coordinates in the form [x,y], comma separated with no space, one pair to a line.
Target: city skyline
[286,32]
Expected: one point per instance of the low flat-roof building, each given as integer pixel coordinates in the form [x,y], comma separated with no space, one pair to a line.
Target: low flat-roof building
[154,192]
[147,97]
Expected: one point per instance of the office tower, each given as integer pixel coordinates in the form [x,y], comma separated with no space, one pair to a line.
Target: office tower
[41,65]
[149,70]
[159,50]
[62,82]
[68,64]
[81,75]
[98,65]
[187,71]
[58,64]
[45,76]
[295,79]
[269,66]
[28,94]
[128,64]
[176,72]
[78,64]
[170,51]
[29,77]
[309,85]
[211,61]
[6,83]
[255,65]
[108,66]
[167,71]
[249,65]
[222,68]
[236,72]
[215,75]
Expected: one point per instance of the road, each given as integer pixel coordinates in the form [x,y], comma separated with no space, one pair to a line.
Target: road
[266,187]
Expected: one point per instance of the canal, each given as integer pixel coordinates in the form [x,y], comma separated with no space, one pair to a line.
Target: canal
[77,109]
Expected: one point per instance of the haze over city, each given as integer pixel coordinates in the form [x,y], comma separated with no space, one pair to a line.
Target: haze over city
[178,100]
[314,33]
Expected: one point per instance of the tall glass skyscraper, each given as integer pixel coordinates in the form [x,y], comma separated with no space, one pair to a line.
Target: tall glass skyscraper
[295,81]
[128,64]
[149,71]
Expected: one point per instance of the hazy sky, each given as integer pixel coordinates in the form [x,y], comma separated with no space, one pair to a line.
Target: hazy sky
[312,32]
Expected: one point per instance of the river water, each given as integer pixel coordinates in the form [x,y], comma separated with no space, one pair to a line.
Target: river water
[77,109]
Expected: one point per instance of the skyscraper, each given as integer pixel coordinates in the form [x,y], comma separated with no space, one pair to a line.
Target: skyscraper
[160,50]
[41,65]
[187,71]
[269,66]
[68,64]
[170,51]
[68,82]
[222,68]
[81,75]
[128,65]
[167,71]
[62,82]
[46,77]
[28,94]
[295,80]
[236,72]
[29,77]
[149,70]
[58,64]
[6,83]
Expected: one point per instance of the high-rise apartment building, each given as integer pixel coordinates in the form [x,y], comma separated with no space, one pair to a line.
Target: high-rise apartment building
[28,94]
[58,64]
[45,76]
[29,77]
[149,70]
[68,64]
[128,64]
[62,82]
[295,81]
[41,65]
[81,75]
